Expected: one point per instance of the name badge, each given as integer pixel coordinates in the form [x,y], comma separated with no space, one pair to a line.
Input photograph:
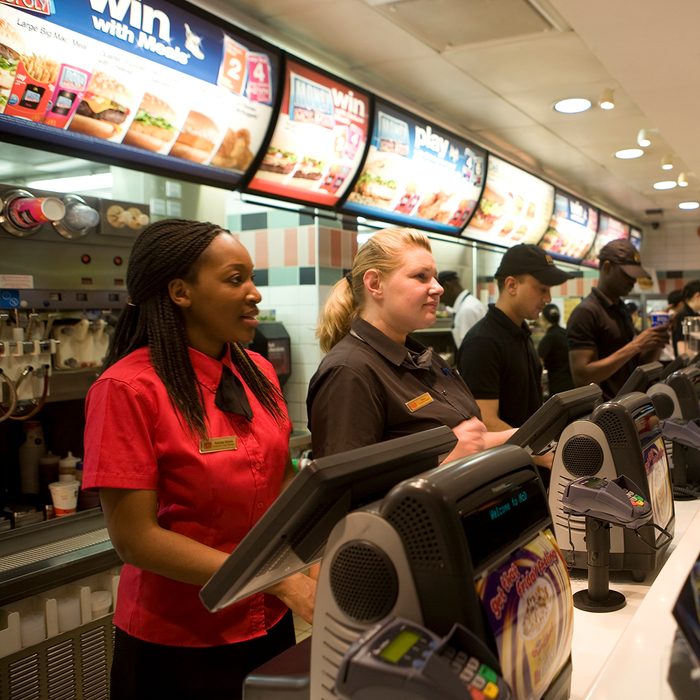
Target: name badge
[220,444]
[423,400]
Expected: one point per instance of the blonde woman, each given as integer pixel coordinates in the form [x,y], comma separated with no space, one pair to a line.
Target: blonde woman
[377,383]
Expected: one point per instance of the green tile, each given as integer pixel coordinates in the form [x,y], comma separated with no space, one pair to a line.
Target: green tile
[329,275]
[279,276]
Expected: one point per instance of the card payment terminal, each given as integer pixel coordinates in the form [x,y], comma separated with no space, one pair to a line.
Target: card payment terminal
[400,659]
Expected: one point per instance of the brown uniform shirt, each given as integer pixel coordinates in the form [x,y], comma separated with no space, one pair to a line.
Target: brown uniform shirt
[369,388]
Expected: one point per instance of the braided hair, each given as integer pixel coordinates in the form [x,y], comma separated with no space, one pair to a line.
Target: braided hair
[164,251]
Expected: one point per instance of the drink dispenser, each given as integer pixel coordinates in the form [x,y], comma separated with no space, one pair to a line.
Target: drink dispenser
[23,213]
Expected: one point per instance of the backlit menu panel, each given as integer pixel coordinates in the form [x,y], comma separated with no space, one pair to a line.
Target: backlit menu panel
[318,141]
[609,229]
[151,84]
[515,206]
[572,229]
[417,174]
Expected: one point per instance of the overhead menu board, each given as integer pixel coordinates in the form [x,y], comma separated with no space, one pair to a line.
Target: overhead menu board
[515,206]
[319,138]
[636,238]
[609,229]
[149,84]
[417,174]
[572,228]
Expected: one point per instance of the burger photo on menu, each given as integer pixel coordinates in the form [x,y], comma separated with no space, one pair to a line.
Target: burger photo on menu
[375,187]
[278,161]
[153,128]
[197,139]
[104,108]
[11,48]
[309,169]
[491,208]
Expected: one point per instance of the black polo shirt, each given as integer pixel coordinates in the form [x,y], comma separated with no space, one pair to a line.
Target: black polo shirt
[604,326]
[554,351]
[369,388]
[498,360]
[677,333]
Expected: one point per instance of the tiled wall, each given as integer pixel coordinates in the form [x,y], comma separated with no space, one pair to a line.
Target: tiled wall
[297,259]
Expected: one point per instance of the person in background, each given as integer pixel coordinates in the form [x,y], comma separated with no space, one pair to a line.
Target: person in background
[186,439]
[674,303]
[375,382]
[465,307]
[690,307]
[554,352]
[633,311]
[603,347]
[497,358]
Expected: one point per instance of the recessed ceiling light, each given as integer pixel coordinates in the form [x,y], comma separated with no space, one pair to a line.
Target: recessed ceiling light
[629,153]
[572,105]
[665,185]
[688,205]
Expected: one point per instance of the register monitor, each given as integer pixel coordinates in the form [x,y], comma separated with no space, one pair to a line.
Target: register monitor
[622,437]
[543,428]
[642,378]
[293,532]
[470,542]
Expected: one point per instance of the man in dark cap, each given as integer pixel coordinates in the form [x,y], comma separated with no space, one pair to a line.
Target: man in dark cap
[603,347]
[466,308]
[497,357]
[689,307]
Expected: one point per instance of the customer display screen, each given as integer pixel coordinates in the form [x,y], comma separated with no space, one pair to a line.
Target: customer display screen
[494,523]
[528,604]
[655,464]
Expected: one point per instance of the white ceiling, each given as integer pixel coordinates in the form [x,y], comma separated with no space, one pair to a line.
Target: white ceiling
[491,70]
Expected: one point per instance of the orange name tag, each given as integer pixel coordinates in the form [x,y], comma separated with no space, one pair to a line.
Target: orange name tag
[423,400]
[220,444]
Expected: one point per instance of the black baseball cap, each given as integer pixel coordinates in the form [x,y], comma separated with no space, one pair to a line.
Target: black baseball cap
[528,259]
[621,252]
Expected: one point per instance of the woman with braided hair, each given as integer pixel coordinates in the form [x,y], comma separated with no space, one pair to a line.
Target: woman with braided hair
[187,440]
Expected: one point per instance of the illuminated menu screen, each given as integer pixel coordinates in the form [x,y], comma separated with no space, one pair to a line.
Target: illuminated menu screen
[318,141]
[150,84]
[609,229]
[572,229]
[515,207]
[417,174]
[636,238]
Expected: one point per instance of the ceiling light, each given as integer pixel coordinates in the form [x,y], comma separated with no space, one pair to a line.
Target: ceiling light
[572,105]
[688,205]
[667,163]
[643,139]
[665,185]
[629,153]
[682,180]
[607,99]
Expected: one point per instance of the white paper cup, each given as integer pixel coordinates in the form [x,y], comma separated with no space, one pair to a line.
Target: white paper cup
[32,629]
[101,602]
[64,495]
[68,613]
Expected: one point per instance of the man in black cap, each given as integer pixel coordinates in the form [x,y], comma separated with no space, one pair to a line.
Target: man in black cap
[467,309]
[497,357]
[603,347]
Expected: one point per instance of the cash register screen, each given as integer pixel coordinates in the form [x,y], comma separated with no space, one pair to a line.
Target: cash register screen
[526,595]
[655,463]
[687,610]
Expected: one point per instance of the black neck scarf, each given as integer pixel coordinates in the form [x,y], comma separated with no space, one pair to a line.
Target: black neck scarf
[231,397]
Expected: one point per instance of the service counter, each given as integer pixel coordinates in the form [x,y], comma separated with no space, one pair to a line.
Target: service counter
[625,654]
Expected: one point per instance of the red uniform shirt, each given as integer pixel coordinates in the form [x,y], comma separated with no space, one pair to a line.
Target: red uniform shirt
[135,439]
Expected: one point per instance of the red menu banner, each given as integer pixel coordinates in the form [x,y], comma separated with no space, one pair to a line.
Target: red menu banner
[515,206]
[318,141]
